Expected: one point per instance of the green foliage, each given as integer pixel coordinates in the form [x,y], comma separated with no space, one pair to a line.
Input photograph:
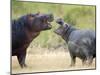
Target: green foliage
[80,16]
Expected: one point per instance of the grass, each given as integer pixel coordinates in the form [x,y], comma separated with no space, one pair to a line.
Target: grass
[43,60]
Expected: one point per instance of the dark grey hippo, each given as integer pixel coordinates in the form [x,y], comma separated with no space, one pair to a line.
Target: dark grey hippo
[24,30]
[81,43]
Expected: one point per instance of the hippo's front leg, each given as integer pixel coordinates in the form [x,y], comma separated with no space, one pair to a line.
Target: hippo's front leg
[21,58]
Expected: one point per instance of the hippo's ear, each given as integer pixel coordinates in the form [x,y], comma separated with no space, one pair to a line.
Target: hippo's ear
[30,17]
[66,25]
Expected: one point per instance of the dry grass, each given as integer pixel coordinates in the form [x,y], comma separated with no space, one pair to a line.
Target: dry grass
[42,60]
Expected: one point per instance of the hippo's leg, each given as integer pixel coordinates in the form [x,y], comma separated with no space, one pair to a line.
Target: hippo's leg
[21,59]
[83,61]
[73,60]
[89,60]
[89,57]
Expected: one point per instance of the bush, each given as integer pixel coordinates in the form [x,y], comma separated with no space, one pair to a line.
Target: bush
[82,12]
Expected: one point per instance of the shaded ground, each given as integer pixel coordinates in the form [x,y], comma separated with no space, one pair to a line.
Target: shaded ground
[43,61]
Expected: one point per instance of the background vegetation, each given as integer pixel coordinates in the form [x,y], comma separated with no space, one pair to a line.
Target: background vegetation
[81,16]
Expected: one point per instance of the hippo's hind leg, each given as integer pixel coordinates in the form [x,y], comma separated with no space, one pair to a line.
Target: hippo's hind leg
[21,59]
[89,56]
[89,60]
[83,61]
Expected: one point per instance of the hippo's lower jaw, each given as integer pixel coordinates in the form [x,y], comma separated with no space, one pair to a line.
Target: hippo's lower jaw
[48,27]
[57,32]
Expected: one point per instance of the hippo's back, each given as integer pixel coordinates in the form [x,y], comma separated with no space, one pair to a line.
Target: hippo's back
[79,35]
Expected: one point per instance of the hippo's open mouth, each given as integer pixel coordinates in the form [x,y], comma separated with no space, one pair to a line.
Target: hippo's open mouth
[49,24]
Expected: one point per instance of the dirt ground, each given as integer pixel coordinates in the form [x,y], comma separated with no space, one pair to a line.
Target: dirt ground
[44,61]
